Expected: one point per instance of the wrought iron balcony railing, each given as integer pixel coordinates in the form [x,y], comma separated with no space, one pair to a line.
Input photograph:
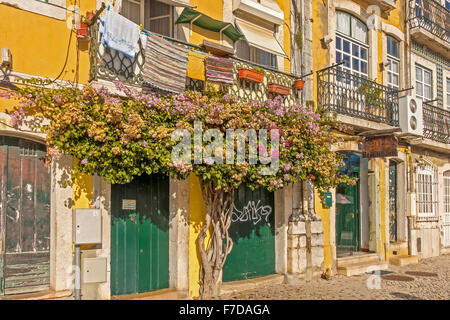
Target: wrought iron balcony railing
[431,16]
[345,93]
[436,123]
[110,65]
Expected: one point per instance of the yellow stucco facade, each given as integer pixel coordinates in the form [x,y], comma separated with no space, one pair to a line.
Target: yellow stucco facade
[196,204]
[39,45]
[322,11]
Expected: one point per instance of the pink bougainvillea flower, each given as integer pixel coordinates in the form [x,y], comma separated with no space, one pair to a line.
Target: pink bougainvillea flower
[84,161]
[275,154]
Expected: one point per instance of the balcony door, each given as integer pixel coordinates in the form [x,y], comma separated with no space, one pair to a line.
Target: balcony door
[154,15]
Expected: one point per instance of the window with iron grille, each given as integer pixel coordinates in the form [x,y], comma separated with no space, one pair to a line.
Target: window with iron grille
[424,83]
[447,192]
[393,58]
[155,16]
[426,192]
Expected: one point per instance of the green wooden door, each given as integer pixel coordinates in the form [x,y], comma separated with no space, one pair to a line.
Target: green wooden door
[24,217]
[392,201]
[140,235]
[253,233]
[347,209]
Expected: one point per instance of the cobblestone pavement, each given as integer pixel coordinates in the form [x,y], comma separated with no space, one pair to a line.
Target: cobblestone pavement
[435,286]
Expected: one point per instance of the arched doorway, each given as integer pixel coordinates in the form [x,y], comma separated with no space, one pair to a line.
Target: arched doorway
[24,216]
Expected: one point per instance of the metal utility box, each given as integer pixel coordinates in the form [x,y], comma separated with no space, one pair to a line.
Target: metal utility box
[87,225]
[94,270]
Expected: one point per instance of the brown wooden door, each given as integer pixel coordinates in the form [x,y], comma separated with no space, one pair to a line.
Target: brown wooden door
[25,217]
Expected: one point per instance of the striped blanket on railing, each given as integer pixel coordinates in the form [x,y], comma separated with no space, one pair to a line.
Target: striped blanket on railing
[165,65]
[219,70]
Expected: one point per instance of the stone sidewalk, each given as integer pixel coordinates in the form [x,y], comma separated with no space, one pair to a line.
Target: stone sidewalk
[429,279]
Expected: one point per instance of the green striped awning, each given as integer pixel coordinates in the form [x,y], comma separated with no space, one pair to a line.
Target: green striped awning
[201,20]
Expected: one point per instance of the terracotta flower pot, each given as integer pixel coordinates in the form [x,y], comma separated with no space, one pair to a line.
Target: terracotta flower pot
[299,84]
[279,89]
[82,31]
[251,75]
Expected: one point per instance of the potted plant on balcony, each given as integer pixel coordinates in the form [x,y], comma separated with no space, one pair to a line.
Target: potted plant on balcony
[276,88]
[255,74]
[373,103]
[299,84]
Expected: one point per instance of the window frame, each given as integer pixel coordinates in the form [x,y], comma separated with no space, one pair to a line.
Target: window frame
[144,18]
[392,59]
[340,37]
[426,196]
[422,82]
[253,54]
[446,186]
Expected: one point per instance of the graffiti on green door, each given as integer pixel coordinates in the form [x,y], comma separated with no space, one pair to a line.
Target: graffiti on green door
[253,233]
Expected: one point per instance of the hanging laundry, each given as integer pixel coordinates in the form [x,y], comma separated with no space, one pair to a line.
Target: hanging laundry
[196,65]
[219,70]
[165,65]
[119,33]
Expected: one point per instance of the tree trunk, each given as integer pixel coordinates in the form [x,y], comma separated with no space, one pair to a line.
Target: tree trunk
[214,251]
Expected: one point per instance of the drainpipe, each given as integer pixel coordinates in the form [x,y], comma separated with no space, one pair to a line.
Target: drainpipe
[77,291]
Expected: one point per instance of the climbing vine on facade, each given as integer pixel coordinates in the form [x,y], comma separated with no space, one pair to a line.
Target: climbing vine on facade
[123,136]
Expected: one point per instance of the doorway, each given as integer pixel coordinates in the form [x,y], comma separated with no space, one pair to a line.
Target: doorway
[348,218]
[140,235]
[24,217]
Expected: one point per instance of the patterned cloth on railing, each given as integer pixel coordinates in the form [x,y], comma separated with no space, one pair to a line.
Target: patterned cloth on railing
[165,65]
[219,70]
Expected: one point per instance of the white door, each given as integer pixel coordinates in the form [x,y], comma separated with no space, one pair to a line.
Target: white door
[445,218]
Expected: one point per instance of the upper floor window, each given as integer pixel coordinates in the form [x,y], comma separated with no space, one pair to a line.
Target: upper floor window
[393,70]
[448,93]
[447,192]
[350,26]
[426,192]
[351,44]
[256,55]
[424,83]
[155,16]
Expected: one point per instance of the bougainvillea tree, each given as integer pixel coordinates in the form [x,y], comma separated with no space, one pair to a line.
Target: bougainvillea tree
[123,136]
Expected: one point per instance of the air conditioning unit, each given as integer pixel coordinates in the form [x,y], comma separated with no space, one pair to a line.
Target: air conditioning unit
[411,115]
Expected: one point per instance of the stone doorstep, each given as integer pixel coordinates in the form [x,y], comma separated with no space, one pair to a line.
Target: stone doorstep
[233,287]
[403,260]
[445,251]
[163,294]
[361,268]
[42,295]
[294,279]
[397,246]
[361,258]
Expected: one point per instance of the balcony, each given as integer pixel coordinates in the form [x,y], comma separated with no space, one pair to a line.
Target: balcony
[354,96]
[107,66]
[436,123]
[429,24]
[385,6]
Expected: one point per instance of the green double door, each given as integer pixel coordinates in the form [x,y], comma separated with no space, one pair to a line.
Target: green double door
[348,209]
[140,235]
[253,233]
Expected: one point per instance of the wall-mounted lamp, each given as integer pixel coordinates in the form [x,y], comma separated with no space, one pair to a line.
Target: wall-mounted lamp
[325,41]
[384,65]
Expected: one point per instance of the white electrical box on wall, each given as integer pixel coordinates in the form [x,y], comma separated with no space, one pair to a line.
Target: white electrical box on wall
[87,226]
[94,270]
